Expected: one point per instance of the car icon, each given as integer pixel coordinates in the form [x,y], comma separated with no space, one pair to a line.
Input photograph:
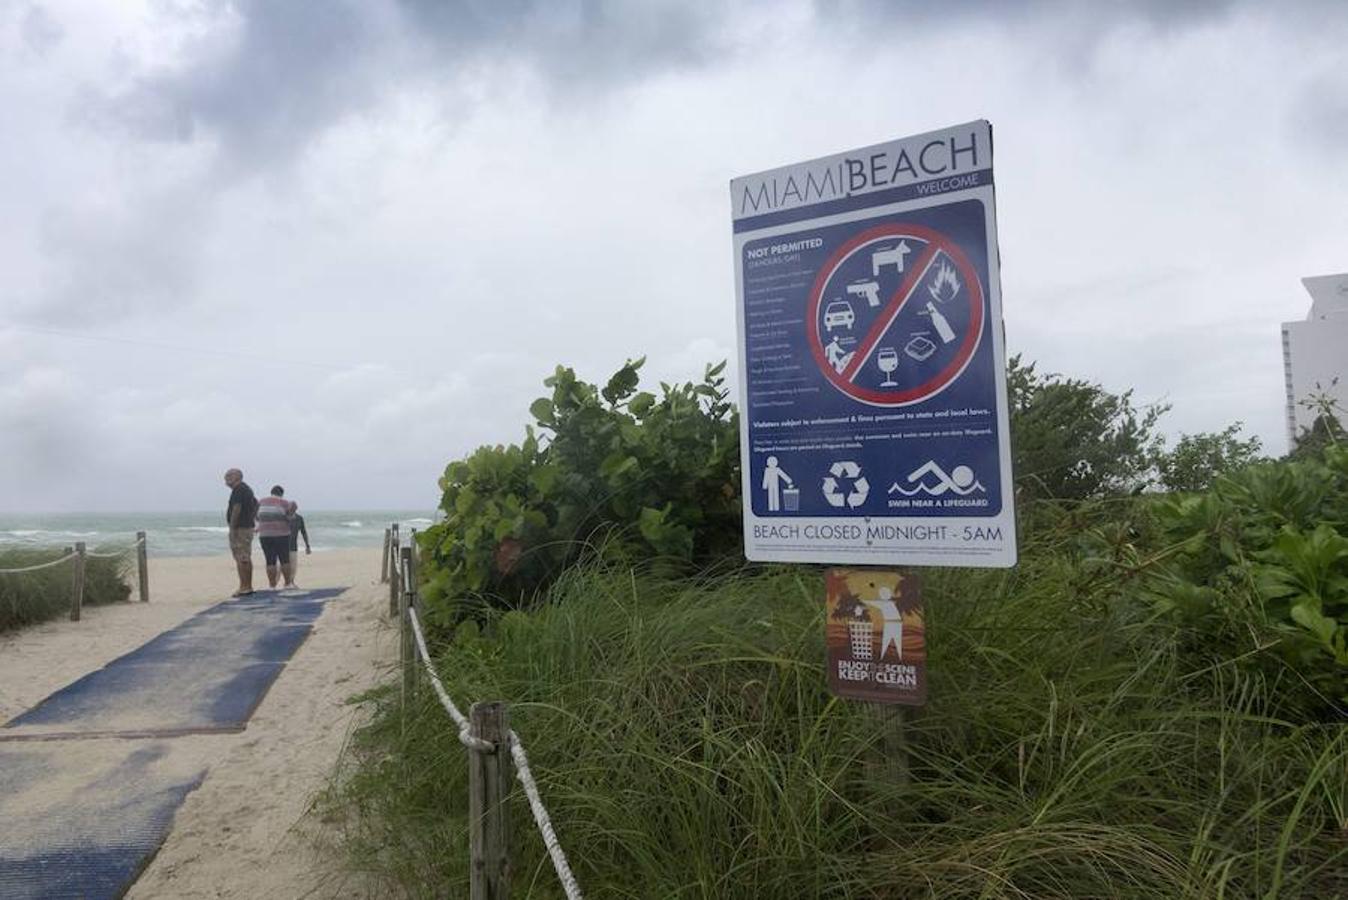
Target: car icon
[838,314]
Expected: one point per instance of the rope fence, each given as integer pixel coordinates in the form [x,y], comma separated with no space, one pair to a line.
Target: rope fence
[40,566]
[119,552]
[482,732]
[80,555]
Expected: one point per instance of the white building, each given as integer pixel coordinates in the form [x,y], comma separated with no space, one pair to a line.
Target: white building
[1315,352]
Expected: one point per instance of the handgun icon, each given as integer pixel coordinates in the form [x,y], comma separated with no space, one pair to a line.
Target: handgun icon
[868,289]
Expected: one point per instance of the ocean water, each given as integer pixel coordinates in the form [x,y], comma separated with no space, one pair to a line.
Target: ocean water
[196,533]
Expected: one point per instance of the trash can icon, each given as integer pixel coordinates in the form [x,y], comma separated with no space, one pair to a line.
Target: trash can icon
[861,637]
[791,499]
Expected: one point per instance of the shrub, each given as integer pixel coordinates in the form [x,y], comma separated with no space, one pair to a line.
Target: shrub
[1200,459]
[32,597]
[614,467]
[1072,439]
[1257,568]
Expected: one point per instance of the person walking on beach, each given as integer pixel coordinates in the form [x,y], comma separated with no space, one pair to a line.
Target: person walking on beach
[273,533]
[297,530]
[240,515]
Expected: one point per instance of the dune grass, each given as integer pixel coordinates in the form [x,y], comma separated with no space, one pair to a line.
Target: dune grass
[687,747]
[32,597]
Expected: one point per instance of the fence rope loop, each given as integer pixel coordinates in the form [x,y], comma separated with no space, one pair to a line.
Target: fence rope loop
[476,744]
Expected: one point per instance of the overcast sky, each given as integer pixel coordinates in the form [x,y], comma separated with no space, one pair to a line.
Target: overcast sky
[340,243]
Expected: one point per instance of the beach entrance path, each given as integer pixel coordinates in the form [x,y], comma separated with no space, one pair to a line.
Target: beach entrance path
[91,777]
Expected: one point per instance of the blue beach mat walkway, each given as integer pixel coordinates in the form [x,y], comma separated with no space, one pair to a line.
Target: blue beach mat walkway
[82,809]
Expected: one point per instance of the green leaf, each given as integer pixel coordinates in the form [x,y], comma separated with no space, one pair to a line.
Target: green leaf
[544,411]
[544,479]
[623,382]
[616,464]
[1306,613]
[641,403]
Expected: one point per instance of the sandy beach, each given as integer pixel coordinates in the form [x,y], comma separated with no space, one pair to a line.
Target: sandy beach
[244,832]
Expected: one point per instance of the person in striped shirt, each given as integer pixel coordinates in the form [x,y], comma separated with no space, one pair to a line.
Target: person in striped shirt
[273,533]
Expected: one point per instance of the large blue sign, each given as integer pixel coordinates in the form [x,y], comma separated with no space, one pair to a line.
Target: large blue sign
[871,357]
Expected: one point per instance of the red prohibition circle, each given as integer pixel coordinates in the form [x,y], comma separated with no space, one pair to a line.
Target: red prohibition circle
[936,242]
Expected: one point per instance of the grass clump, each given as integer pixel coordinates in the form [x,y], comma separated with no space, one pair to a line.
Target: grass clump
[30,597]
[687,747]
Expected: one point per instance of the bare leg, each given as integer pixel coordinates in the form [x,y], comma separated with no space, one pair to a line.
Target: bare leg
[273,572]
[288,570]
[245,575]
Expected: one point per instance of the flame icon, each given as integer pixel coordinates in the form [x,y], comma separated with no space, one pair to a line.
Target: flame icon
[946,285]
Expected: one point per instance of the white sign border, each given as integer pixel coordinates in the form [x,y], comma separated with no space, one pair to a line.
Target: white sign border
[858,550]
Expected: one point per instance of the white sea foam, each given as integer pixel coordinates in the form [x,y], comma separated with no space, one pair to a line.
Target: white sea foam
[212,529]
[354,524]
[420,521]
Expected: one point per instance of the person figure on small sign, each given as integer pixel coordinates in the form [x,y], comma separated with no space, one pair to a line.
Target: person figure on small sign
[892,619]
[773,476]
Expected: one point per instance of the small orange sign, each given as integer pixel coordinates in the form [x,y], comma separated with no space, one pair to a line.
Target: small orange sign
[876,636]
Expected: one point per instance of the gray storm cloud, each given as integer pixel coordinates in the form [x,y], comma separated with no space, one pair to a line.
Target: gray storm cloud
[263,78]
[255,83]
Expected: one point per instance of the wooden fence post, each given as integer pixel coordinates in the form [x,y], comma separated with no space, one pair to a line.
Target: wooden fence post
[394,588]
[489,782]
[143,567]
[77,589]
[383,565]
[407,648]
[412,566]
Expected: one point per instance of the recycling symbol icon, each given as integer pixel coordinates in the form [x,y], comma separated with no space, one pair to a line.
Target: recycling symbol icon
[848,472]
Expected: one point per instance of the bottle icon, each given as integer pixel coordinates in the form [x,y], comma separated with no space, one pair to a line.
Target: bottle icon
[940,323]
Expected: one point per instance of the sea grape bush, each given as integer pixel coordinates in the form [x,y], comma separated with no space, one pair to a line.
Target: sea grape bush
[609,468]
[1259,569]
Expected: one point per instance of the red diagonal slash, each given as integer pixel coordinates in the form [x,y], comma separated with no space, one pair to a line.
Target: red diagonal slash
[892,310]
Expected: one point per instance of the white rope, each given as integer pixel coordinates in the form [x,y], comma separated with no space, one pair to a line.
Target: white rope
[39,566]
[88,554]
[522,770]
[526,778]
[473,743]
[116,554]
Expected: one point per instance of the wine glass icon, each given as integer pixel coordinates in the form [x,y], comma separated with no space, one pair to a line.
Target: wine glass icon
[888,361]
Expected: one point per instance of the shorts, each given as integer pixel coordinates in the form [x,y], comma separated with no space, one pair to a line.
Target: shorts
[241,544]
[275,549]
